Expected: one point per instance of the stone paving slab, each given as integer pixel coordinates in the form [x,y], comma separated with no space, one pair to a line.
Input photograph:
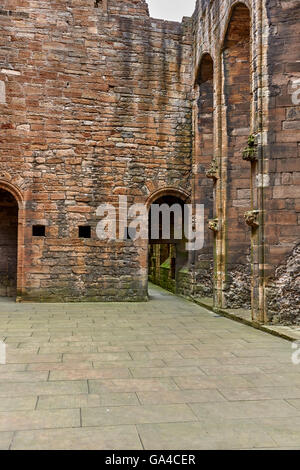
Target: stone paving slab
[165,371]
[18,403]
[167,374]
[20,389]
[132,385]
[180,396]
[115,372]
[87,400]
[38,419]
[117,415]
[203,435]
[5,440]
[260,393]
[244,409]
[96,438]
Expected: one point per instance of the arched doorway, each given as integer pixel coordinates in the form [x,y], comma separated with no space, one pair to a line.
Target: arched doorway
[8,244]
[167,255]
[236,56]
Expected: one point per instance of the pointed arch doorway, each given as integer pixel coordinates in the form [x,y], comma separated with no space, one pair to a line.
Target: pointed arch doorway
[12,224]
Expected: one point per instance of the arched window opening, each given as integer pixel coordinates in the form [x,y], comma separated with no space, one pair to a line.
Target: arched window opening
[204,159]
[237,100]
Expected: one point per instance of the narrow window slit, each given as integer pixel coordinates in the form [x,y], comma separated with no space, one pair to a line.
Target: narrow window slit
[84,231]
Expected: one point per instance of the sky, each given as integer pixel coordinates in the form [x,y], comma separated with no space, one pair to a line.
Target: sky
[171,9]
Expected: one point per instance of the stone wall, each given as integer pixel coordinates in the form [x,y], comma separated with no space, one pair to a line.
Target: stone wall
[255,72]
[282,197]
[97,104]
[283,291]
[97,101]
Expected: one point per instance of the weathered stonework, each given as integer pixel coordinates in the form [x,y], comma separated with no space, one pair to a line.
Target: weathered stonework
[252,218]
[284,291]
[98,100]
[254,47]
[97,105]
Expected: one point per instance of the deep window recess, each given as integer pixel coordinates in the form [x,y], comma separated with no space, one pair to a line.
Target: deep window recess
[38,231]
[85,231]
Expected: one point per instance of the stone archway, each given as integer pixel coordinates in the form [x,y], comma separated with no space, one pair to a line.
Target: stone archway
[9,211]
[167,256]
[236,59]
[11,241]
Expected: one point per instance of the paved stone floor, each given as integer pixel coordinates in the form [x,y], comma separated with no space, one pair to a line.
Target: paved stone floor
[162,375]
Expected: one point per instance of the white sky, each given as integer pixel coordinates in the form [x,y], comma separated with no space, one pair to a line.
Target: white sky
[171,9]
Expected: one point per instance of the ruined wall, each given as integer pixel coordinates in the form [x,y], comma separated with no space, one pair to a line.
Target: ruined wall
[222,33]
[96,105]
[266,185]
[98,100]
[284,291]
[282,202]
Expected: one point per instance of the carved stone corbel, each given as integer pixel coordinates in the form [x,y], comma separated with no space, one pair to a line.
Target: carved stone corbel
[213,224]
[250,153]
[251,218]
[212,171]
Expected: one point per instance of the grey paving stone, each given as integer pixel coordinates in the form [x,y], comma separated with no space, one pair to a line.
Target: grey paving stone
[180,396]
[95,438]
[232,434]
[17,403]
[100,357]
[12,368]
[230,370]
[284,431]
[165,371]
[19,357]
[60,365]
[38,419]
[83,374]
[127,364]
[87,400]
[260,393]
[20,389]
[5,440]
[244,409]
[23,376]
[294,403]
[192,383]
[116,415]
[132,385]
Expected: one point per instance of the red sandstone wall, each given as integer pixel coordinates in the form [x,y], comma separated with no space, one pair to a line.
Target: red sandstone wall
[272,182]
[282,200]
[96,105]
[222,33]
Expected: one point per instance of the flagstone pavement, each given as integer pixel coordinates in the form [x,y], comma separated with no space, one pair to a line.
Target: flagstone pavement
[161,375]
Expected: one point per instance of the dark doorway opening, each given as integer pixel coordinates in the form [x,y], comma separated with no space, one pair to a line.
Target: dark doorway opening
[8,244]
[167,257]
